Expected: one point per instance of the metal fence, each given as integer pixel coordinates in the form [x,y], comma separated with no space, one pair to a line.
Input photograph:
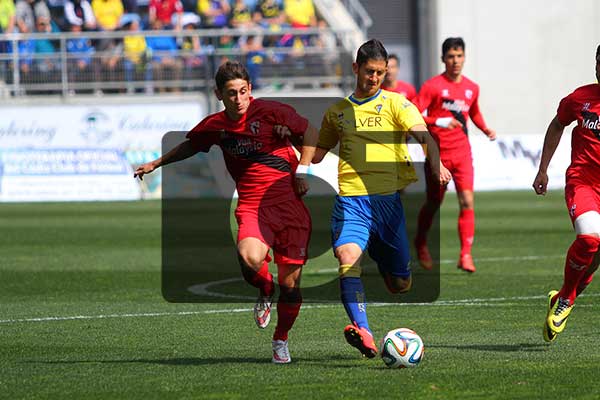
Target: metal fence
[68,64]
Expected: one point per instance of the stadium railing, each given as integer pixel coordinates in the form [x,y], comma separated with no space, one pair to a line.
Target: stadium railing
[291,59]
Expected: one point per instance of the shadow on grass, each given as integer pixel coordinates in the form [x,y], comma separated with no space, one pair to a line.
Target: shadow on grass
[505,348]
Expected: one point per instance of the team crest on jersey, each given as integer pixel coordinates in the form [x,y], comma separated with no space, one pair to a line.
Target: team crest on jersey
[254,127]
[378,107]
[445,93]
[469,93]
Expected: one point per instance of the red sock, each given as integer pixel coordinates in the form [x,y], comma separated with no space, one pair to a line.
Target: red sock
[263,280]
[287,312]
[584,282]
[423,225]
[579,257]
[466,230]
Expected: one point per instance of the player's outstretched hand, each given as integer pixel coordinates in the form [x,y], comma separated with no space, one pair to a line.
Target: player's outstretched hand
[491,134]
[300,185]
[540,183]
[282,131]
[143,170]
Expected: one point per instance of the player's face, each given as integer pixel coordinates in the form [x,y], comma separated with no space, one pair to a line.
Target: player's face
[392,70]
[369,77]
[454,60]
[235,97]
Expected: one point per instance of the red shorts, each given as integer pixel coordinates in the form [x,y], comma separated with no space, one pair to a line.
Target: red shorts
[581,198]
[461,168]
[284,227]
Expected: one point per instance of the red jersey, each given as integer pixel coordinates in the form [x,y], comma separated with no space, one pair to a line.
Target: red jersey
[258,161]
[444,98]
[404,88]
[165,9]
[583,106]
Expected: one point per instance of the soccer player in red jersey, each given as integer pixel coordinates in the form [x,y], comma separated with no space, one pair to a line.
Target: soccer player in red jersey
[582,195]
[269,180]
[393,84]
[450,99]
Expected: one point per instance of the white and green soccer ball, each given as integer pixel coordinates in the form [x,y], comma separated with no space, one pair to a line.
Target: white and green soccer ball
[401,348]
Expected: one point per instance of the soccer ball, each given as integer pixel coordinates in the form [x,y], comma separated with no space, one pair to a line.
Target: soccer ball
[401,348]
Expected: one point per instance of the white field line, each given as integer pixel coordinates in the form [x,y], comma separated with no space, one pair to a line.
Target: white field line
[481,302]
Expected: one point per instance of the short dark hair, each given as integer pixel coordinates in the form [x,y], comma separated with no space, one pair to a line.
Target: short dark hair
[229,71]
[452,43]
[371,50]
[598,51]
[395,57]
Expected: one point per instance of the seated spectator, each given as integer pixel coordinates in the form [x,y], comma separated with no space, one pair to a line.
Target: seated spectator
[166,11]
[7,22]
[79,12]
[80,50]
[108,13]
[166,64]
[191,49]
[44,49]
[214,13]
[241,15]
[254,58]
[269,14]
[300,13]
[26,12]
[135,49]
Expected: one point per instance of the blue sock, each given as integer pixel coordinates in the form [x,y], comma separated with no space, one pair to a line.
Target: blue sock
[353,298]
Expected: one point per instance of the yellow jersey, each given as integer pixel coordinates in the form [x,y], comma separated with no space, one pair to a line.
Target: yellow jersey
[373,154]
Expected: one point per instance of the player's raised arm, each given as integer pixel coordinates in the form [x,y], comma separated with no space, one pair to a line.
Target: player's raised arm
[551,141]
[422,135]
[180,152]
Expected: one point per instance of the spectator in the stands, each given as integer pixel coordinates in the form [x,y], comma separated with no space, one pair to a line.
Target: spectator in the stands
[241,15]
[269,14]
[80,50]
[214,13]
[255,57]
[7,22]
[169,12]
[191,48]
[300,13]
[79,12]
[26,11]
[130,6]
[44,49]
[135,55]
[108,13]
[166,64]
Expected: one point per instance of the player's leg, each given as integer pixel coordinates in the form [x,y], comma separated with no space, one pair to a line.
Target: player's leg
[253,257]
[463,180]
[288,307]
[351,221]
[434,197]
[582,203]
[389,248]
[589,274]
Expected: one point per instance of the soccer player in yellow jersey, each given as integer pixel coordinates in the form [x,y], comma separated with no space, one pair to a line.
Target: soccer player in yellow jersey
[371,125]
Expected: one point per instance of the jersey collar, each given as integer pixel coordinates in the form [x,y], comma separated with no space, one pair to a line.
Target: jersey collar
[363,101]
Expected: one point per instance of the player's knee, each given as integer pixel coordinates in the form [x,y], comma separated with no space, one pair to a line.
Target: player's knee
[398,285]
[350,270]
[588,224]
[347,255]
[250,259]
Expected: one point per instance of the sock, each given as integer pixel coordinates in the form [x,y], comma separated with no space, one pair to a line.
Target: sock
[583,283]
[263,280]
[424,222]
[288,308]
[579,257]
[353,298]
[466,230]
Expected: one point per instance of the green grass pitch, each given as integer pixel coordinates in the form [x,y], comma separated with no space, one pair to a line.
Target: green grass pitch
[82,316]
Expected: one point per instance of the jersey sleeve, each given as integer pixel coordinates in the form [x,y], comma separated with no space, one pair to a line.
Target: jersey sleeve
[287,115]
[423,100]
[406,114]
[475,113]
[202,138]
[565,111]
[328,134]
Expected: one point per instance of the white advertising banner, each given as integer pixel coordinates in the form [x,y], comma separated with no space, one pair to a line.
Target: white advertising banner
[86,152]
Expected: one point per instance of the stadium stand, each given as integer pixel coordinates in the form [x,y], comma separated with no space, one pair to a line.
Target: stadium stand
[72,47]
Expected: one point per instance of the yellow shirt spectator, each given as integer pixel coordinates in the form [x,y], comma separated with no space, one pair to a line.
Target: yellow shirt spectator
[108,13]
[300,13]
[134,47]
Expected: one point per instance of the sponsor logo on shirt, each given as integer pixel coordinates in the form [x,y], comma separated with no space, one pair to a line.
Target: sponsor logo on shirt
[591,121]
[455,105]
